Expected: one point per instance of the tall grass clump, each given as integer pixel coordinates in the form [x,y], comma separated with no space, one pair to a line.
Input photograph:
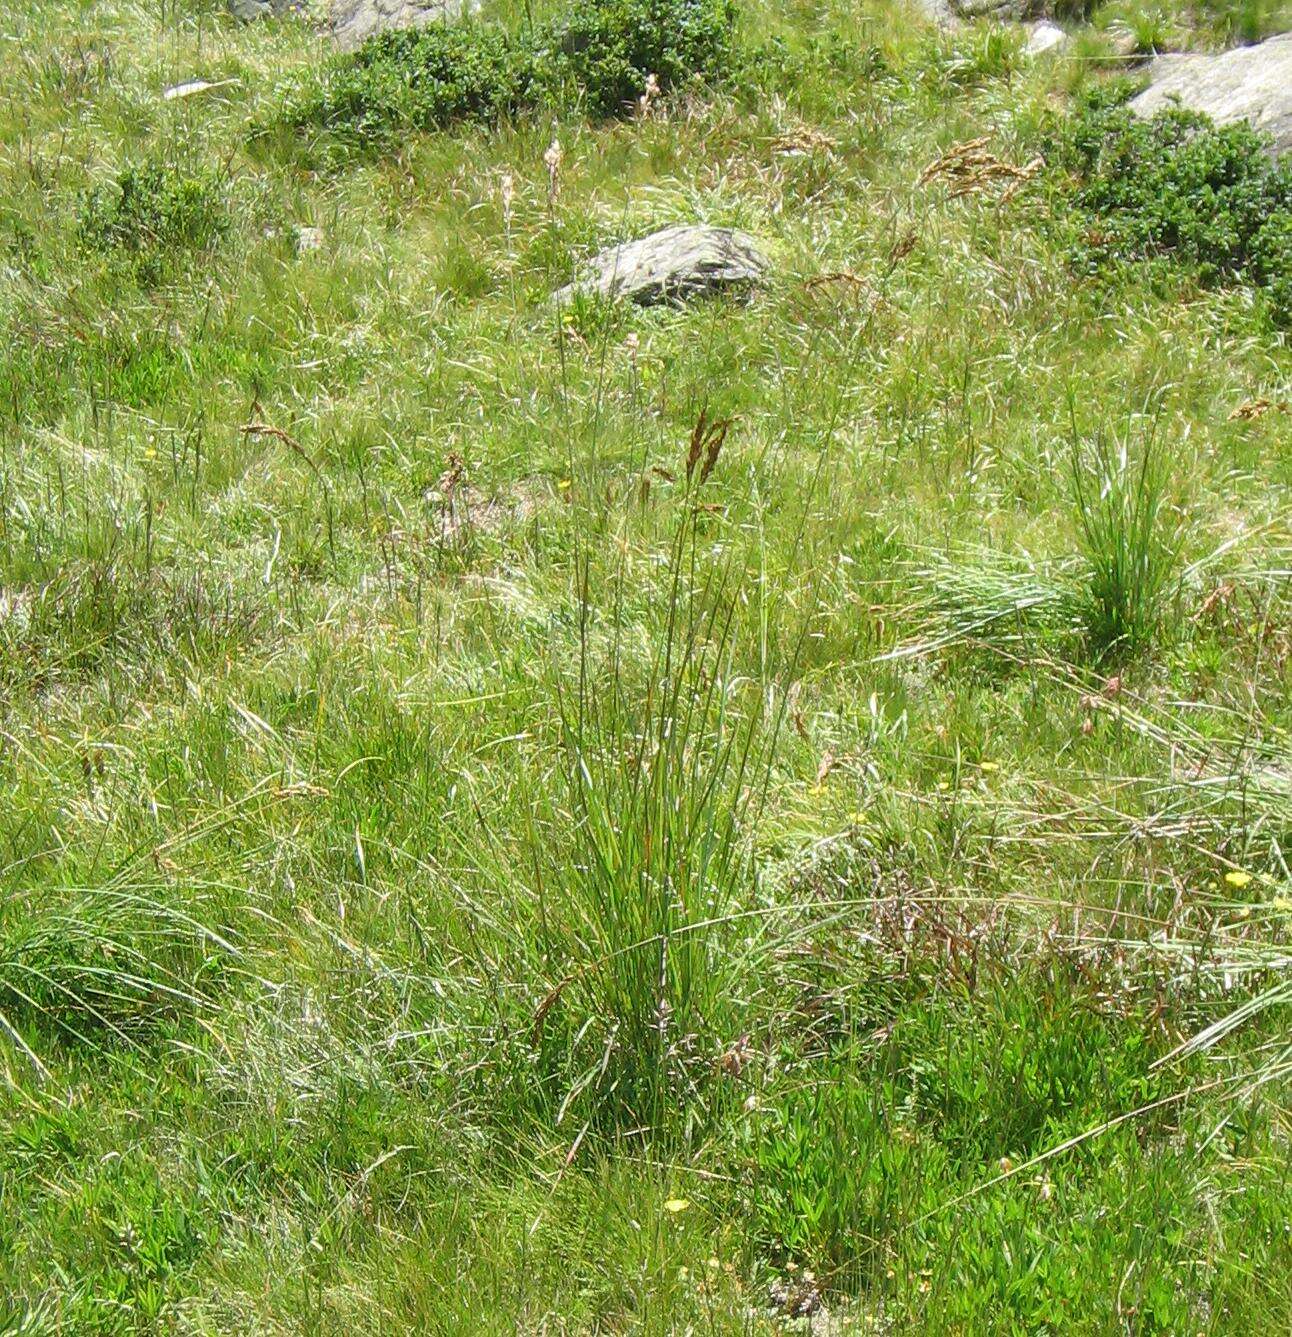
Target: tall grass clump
[665,769]
[1174,186]
[597,57]
[102,966]
[1110,593]
[1129,542]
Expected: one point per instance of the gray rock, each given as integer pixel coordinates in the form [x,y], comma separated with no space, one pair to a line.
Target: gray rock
[952,13]
[937,11]
[354,21]
[1045,37]
[1011,10]
[1249,83]
[677,263]
[246,10]
[1124,45]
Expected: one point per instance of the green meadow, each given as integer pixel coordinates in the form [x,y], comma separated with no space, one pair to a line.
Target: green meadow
[767,813]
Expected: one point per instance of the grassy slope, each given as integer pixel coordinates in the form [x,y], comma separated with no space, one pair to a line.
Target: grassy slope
[291,840]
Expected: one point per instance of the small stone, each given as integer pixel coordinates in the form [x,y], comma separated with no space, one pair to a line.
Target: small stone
[309,239]
[954,13]
[1124,45]
[1015,11]
[1248,83]
[937,11]
[1045,37]
[193,87]
[672,265]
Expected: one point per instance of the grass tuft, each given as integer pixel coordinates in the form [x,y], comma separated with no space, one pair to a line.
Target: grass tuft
[1130,543]
[103,968]
[665,778]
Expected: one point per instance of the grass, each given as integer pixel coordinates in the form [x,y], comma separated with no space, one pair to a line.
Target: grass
[1129,542]
[631,819]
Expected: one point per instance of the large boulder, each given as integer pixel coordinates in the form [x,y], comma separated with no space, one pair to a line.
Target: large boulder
[354,21]
[671,265]
[1249,83]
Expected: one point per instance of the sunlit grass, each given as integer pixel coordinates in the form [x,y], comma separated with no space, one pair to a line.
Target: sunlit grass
[468,865]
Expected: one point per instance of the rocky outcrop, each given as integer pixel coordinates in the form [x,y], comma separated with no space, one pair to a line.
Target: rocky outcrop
[259,9]
[354,21]
[949,13]
[1249,83]
[677,263]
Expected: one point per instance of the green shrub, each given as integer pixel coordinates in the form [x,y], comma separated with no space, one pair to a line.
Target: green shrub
[598,55]
[857,1148]
[829,1180]
[413,79]
[154,213]
[604,52]
[1209,197]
